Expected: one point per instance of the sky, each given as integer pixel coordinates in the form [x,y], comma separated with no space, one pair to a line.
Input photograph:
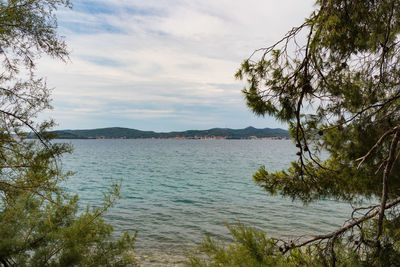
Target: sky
[162,65]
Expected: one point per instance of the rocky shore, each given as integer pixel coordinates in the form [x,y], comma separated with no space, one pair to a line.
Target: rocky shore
[152,258]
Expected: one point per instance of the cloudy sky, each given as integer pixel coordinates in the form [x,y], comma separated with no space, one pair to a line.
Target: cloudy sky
[162,64]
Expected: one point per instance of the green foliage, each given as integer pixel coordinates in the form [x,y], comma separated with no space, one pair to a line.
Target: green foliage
[251,247]
[40,224]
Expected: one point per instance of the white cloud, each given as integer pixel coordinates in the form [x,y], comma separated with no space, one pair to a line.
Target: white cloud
[169,55]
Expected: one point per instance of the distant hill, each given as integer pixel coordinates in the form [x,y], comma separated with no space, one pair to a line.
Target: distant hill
[126,133]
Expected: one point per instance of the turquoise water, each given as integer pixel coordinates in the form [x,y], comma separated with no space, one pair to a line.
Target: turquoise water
[176,191]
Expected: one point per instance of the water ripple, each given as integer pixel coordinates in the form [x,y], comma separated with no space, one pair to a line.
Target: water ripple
[176,191]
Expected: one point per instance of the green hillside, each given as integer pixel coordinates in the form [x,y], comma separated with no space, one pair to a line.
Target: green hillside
[118,133]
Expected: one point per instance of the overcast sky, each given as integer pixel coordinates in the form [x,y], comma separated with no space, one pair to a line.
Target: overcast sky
[162,65]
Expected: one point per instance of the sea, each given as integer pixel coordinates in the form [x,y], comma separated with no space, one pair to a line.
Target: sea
[175,192]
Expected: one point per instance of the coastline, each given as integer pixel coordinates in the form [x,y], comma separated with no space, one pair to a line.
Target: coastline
[152,258]
[177,257]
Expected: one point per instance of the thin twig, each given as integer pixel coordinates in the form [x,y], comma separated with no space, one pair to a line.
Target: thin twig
[342,229]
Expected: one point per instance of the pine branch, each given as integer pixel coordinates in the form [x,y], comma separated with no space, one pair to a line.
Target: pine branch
[292,245]
[377,144]
[386,173]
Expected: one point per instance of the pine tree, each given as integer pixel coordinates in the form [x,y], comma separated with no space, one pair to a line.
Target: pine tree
[335,80]
[40,224]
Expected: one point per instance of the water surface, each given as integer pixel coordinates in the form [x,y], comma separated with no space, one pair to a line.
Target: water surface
[176,191]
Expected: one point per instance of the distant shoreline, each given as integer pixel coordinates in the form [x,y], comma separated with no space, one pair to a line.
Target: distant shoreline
[249,133]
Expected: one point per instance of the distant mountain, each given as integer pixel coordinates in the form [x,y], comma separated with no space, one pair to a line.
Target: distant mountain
[218,133]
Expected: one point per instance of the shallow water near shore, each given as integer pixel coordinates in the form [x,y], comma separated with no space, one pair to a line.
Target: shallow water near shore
[177,191]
